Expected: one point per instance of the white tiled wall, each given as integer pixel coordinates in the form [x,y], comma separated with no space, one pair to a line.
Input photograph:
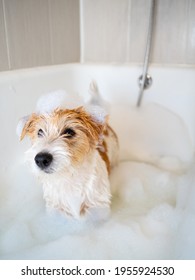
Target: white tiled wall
[27,32]
[65,31]
[105,30]
[4,60]
[44,32]
[116,30]
[172,40]
[38,32]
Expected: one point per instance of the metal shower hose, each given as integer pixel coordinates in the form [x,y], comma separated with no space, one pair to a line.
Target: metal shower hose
[144,78]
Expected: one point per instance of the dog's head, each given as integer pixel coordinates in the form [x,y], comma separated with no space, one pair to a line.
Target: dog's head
[63,138]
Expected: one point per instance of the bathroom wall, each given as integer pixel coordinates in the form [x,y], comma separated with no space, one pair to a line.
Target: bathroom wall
[116,31]
[38,32]
[46,32]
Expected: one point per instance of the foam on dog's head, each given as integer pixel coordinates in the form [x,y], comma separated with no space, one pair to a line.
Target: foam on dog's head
[97,113]
[49,102]
[57,99]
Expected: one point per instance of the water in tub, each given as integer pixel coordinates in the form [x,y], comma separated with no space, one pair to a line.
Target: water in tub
[153,206]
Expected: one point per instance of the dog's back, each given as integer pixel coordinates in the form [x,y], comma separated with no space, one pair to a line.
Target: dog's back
[110,146]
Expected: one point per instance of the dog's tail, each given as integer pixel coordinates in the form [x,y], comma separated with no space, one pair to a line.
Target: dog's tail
[95,104]
[95,97]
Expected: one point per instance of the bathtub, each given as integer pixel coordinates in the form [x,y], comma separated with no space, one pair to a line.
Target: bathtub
[153,213]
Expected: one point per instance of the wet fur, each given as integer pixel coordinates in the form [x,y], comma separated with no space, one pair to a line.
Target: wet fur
[78,178]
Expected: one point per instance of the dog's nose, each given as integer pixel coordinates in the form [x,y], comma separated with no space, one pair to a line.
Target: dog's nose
[43,160]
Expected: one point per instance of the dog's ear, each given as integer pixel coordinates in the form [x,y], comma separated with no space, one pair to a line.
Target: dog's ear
[26,125]
[20,126]
[97,113]
[95,119]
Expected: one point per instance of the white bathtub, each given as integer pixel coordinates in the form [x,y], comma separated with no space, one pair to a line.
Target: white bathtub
[153,216]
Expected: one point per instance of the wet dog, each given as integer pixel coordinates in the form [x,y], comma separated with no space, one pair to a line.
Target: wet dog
[72,153]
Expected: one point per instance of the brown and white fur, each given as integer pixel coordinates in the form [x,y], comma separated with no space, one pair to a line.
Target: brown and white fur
[72,153]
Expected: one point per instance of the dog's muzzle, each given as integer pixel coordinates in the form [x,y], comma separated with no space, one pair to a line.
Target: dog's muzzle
[43,160]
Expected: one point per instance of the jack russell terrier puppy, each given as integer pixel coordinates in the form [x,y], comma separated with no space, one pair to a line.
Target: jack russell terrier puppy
[72,154]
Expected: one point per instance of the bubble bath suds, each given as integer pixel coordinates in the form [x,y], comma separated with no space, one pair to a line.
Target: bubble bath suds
[153,209]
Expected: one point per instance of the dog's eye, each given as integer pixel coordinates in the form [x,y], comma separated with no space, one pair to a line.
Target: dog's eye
[69,133]
[40,133]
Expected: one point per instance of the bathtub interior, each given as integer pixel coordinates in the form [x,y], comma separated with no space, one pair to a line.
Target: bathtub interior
[153,214]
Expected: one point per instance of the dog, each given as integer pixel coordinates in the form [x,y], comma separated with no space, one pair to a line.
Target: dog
[72,154]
